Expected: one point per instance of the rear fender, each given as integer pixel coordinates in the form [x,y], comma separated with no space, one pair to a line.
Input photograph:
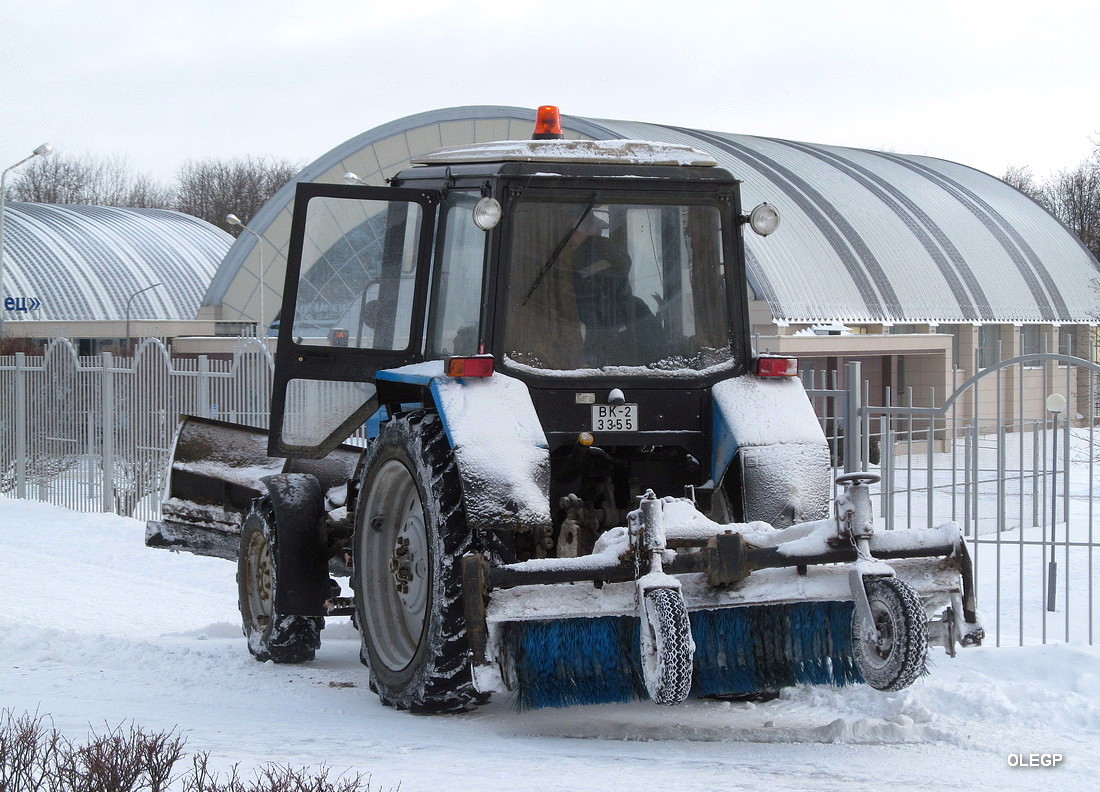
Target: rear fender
[768,440]
[499,445]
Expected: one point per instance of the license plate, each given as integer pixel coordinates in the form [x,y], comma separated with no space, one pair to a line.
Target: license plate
[614,417]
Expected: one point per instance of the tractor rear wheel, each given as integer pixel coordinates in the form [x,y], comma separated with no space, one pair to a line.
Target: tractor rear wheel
[898,653]
[410,536]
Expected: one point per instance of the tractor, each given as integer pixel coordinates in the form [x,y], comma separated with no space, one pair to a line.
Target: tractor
[515,402]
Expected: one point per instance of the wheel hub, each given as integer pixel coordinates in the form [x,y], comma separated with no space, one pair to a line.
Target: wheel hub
[408,563]
[884,643]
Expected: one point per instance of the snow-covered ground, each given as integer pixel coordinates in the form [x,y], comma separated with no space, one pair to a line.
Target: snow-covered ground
[96,629]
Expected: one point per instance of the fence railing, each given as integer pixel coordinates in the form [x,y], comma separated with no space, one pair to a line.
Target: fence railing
[1018,478]
[95,434]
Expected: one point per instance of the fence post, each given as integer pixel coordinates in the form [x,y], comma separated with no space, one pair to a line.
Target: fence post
[107,451]
[853,424]
[20,425]
[202,388]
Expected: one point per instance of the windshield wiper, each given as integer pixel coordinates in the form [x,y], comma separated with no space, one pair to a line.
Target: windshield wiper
[557,251]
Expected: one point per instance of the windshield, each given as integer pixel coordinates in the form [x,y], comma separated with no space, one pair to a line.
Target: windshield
[595,284]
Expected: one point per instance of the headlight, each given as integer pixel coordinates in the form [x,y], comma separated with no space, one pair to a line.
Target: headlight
[764,219]
[487,213]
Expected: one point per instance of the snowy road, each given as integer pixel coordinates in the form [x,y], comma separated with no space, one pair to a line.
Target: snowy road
[96,629]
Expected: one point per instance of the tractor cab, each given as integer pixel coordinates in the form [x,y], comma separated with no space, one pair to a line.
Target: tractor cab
[607,276]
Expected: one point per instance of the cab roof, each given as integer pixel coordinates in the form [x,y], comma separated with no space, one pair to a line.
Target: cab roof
[604,152]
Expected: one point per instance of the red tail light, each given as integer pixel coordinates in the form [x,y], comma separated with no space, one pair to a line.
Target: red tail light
[473,366]
[548,124]
[776,367]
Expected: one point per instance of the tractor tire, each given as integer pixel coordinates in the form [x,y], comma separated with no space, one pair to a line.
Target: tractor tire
[271,635]
[667,646]
[410,537]
[899,654]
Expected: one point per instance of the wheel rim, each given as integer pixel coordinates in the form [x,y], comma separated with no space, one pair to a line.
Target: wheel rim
[258,580]
[395,569]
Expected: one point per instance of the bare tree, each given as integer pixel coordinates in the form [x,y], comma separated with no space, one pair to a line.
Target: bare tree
[1074,196]
[209,188]
[213,188]
[92,180]
[1021,177]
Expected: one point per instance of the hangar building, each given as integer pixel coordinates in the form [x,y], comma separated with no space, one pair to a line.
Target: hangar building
[925,270]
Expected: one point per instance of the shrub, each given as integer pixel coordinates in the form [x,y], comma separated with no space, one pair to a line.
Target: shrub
[35,757]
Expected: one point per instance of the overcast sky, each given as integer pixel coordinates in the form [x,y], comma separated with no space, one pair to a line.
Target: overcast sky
[988,84]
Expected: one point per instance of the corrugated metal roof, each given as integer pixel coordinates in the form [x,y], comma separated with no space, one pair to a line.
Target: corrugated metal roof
[85,262]
[871,236]
[866,236]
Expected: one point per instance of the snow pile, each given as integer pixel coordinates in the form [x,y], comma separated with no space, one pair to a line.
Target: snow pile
[96,629]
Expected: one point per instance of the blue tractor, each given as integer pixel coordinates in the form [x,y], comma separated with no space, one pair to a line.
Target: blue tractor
[577,483]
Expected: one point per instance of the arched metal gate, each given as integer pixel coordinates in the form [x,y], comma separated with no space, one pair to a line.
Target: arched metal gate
[1010,454]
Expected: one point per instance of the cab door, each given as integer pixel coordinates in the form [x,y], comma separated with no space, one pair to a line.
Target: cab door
[353,303]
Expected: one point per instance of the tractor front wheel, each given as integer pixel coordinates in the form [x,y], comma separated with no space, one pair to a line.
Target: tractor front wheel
[271,636]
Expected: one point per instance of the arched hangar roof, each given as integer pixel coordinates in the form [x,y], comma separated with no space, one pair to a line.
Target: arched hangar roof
[866,236]
[72,262]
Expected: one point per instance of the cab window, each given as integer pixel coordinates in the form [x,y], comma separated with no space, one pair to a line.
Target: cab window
[358,273]
[597,284]
[456,297]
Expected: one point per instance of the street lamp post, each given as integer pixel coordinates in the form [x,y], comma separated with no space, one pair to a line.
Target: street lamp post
[233,220]
[42,151]
[128,301]
[1056,402]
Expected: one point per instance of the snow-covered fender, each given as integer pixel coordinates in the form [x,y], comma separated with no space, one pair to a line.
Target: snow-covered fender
[767,431]
[499,445]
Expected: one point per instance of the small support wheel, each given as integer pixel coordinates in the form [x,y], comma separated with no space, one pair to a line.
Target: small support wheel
[667,646]
[897,655]
[271,635]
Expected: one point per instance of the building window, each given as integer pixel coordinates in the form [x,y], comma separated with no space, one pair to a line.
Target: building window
[1067,341]
[903,329]
[989,345]
[1031,343]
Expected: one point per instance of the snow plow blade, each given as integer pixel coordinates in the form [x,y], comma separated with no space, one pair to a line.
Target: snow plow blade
[214,474]
[767,609]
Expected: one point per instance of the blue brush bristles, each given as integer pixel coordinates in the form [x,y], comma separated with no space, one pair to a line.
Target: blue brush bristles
[566,662]
[738,651]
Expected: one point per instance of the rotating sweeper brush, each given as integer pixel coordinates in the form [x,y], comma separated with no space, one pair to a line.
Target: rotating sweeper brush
[747,609]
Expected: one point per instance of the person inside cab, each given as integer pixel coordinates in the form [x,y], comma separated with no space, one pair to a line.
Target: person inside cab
[617,325]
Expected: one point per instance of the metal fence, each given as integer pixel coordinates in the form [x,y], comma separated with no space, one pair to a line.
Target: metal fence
[95,434]
[1019,480]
